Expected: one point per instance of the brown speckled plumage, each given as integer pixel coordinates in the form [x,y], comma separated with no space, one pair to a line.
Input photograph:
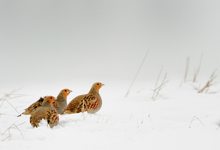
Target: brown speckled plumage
[32,107]
[60,103]
[46,112]
[90,102]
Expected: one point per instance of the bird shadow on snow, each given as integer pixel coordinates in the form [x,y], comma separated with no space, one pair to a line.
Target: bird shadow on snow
[65,122]
[71,119]
[80,118]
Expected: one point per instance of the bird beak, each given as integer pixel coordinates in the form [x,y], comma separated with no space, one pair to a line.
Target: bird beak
[70,91]
[103,84]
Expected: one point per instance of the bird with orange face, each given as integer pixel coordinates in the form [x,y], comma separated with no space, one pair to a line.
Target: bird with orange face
[46,112]
[90,102]
[60,103]
[61,100]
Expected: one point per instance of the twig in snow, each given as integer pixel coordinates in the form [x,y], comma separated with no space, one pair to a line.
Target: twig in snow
[198,69]
[186,69]
[12,106]
[194,119]
[158,77]
[159,85]
[209,83]
[9,96]
[7,132]
[136,74]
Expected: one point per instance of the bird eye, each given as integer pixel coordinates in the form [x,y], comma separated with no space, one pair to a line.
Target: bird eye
[51,97]
[97,84]
[65,90]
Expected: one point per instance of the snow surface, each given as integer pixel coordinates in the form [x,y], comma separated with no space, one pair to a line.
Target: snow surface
[179,119]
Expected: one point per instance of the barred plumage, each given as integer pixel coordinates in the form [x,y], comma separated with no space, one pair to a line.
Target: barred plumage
[90,102]
[32,107]
[60,103]
[46,112]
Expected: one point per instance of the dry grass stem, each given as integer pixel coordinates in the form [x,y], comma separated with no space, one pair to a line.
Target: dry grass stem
[209,83]
[186,69]
[7,132]
[196,73]
[137,73]
[159,85]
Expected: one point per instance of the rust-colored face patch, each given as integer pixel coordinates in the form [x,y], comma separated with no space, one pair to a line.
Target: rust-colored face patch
[97,85]
[66,92]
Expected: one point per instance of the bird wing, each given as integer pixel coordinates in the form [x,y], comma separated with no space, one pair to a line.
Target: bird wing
[35,105]
[73,106]
[80,103]
[86,102]
[32,107]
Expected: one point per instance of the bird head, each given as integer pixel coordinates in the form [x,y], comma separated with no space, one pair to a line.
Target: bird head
[65,92]
[97,85]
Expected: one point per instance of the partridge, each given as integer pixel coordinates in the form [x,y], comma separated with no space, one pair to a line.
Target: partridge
[90,102]
[61,100]
[46,112]
[60,103]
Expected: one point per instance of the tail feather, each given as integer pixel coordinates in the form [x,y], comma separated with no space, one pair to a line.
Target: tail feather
[24,113]
[19,115]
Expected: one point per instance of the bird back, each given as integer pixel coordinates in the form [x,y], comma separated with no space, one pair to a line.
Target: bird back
[44,112]
[32,107]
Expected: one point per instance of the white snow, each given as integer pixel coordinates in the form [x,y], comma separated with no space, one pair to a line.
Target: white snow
[179,119]
[48,45]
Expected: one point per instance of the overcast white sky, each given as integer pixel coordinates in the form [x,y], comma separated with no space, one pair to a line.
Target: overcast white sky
[61,40]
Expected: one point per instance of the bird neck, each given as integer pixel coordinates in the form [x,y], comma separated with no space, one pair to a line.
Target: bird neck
[60,97]
[93,91]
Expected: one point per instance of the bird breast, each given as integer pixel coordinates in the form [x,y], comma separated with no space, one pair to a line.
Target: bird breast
[95,106]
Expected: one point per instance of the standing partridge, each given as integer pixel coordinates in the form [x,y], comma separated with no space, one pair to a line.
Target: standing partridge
[90,102]
[60,103]
[47,112]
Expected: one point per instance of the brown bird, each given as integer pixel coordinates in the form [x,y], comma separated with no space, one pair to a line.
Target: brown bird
[90,102]
[46,112]
[61,100]
[60,104]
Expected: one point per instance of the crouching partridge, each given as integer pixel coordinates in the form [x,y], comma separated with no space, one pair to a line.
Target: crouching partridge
[90,102]
[46,112]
